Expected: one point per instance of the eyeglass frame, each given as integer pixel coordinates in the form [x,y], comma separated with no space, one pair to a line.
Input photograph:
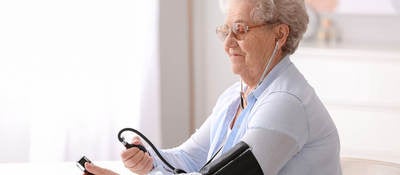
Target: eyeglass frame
[235,35]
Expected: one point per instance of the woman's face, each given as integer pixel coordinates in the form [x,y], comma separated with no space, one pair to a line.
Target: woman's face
[249,55]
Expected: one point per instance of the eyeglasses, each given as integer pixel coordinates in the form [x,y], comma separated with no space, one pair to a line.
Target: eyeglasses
[239,30]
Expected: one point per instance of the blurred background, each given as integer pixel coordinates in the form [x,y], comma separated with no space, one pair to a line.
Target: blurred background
[73,73]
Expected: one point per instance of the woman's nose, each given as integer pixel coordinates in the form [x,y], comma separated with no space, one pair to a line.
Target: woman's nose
[230,41]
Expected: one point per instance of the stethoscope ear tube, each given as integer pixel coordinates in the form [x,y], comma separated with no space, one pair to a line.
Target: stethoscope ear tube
[141,147]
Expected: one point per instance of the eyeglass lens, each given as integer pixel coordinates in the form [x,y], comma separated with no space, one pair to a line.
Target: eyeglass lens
[238,30]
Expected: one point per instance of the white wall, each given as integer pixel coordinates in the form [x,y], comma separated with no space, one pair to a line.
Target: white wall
[174,72]
[359,88]
[212,69]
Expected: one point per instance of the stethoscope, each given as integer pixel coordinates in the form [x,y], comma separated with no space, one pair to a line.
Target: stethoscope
[268,64]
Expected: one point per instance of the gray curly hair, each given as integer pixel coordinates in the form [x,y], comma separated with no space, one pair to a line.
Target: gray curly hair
[290,12]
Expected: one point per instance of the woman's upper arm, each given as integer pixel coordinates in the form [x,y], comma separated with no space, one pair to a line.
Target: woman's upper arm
[277,131]
[272,149]
[282,112]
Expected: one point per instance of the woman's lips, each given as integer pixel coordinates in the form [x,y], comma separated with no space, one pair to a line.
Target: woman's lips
[236,57]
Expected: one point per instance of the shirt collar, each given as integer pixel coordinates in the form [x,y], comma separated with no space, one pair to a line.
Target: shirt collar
[272,75]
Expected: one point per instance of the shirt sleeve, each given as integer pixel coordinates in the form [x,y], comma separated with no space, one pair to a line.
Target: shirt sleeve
[277,131]
[192,154]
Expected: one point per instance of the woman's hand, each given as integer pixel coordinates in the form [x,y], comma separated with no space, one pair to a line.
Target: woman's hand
[136,160]
[96,170]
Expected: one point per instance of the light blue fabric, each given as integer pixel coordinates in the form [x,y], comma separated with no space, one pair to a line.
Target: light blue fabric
[283,108]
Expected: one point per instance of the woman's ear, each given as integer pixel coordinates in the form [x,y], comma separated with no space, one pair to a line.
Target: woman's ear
[282,33]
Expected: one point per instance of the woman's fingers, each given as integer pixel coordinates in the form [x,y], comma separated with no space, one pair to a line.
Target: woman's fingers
[98,170]
[148,166]
[142,163]
[135,159]
[144,167]
[129,153]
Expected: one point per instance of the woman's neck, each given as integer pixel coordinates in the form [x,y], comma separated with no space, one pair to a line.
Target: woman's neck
[252,81]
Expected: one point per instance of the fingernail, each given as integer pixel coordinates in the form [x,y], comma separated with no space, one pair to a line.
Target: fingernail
[89,165]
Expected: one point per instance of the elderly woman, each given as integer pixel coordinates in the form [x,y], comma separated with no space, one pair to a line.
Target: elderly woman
[273,109]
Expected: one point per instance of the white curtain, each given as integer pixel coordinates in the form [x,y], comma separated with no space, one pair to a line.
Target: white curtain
[72,75]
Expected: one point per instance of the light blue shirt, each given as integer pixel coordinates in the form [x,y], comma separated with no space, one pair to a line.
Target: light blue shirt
[286,125]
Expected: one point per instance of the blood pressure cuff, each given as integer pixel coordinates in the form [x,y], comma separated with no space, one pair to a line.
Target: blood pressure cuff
[237,161]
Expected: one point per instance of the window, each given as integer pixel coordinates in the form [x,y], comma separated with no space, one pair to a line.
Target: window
[70,75]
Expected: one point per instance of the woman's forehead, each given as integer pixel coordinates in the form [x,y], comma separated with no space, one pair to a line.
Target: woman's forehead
[239,11]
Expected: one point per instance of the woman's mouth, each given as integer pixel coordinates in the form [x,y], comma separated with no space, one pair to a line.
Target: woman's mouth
[236,58]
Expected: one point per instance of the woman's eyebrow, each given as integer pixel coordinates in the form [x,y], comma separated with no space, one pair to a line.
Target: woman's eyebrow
[239,21]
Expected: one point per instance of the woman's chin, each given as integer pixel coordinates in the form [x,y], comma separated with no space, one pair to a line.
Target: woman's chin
[236,69]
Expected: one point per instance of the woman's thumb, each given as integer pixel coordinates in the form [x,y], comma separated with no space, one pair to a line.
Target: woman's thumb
[137,141]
